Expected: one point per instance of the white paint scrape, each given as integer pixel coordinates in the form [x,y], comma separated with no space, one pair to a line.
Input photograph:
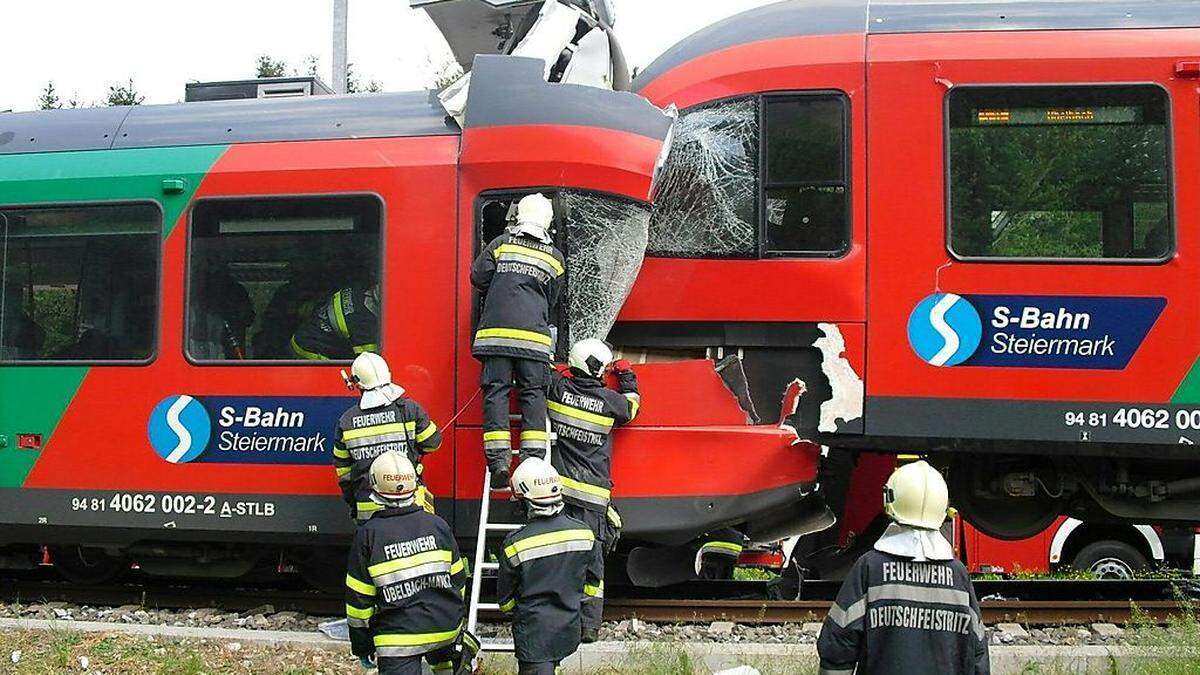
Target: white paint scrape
[846,403]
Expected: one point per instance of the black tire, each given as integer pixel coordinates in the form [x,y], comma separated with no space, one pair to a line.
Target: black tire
[1110,560]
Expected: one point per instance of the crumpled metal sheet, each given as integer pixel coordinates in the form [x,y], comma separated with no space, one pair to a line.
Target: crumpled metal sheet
[606,243]
[707,195]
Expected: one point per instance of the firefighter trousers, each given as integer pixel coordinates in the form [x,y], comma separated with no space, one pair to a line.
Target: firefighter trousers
[540,668]
[531,378]
[591,612]
[443,660]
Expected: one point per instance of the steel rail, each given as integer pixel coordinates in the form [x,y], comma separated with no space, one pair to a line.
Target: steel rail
[234,599]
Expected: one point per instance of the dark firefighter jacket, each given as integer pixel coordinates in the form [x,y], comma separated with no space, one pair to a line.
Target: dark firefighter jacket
[404,585]
[363,435]
[894,615]
[520,278]
[345,325]
[546,567]
[583,413]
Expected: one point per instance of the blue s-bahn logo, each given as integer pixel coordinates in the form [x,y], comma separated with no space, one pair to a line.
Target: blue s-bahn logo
[944,329]
[179,429]
[245,429]
[1031,331]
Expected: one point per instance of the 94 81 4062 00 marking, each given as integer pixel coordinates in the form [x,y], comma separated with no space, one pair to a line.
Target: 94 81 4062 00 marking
[180,504]
[1136,418]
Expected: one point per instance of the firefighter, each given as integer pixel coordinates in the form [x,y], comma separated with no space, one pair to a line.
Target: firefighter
[583,412]
[382,420]
[546,568]
[344,325]
[908,605]
[519,276]
[405,581]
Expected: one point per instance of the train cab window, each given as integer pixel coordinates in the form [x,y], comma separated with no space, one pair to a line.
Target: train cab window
[79,283]
[1061,173]
[807,196]
[707,205]
[281,279]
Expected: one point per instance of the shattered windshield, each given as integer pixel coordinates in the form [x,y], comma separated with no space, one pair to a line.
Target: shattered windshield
[606,242]
[707,202]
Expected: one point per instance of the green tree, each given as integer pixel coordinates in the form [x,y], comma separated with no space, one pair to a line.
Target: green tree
[124,94]
[268,67]
[49,99]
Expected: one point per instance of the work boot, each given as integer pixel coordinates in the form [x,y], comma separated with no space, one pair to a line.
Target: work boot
[590,635]
[500,478]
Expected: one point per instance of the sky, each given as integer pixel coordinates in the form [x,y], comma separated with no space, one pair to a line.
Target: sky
[84,47]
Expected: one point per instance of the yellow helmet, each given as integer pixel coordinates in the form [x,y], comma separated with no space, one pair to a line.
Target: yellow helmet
[916,495]
[393,478]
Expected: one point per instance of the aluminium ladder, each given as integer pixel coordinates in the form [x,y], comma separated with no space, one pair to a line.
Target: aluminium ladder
[481,564]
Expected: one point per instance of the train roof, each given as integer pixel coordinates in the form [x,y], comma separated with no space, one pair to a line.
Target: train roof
[222,122]
[793,18]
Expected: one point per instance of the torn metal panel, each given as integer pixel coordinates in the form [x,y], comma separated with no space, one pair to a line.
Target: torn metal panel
[572,38]
[734,376]
[846,402]
[707,196]
[606,242]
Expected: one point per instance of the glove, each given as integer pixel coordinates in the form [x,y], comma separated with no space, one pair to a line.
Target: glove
[622,366]
[367,662]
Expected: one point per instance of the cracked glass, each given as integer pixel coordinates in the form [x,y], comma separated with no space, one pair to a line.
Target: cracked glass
[707,204]
[605,245]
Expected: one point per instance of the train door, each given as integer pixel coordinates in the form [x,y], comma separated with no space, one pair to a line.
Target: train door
[1026,279]
[524,135]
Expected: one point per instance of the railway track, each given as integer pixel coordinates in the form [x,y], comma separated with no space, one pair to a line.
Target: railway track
[1150,603]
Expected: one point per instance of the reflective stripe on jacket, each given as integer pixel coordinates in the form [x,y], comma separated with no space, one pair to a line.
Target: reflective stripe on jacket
[546,568]
[896,615]
[583,413]
[521,279]
[362,435]
[345,325]
[405,583]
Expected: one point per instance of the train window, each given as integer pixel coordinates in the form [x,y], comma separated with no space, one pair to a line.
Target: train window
[1063,173]
[284,278]
[79,283]
[707,204]
[807,193]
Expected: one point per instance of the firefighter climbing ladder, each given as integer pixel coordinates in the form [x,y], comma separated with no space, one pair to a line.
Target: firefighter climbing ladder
[481,564]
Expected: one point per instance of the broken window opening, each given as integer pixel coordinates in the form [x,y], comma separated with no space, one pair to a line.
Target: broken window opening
[707,204]
[606,243]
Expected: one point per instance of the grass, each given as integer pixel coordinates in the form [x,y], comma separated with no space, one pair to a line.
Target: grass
[60,651]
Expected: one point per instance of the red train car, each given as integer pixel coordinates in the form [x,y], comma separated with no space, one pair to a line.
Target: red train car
[967,226]
[135,423]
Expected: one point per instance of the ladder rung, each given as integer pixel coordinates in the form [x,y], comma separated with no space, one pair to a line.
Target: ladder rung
[503,527]
[496,646]
[489,566]
[489,605]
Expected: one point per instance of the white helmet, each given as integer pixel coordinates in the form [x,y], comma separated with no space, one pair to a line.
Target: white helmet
[393,478]
[916,496]
[372,375]
[590,356]
[536,481]
[535,213]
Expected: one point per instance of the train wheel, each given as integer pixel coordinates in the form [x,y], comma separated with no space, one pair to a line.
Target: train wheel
[323,567]
[84,565]
[1110,560]
[995,514]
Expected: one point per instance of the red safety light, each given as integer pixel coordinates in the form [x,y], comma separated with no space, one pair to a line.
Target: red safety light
[1188,69]
[29,441]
